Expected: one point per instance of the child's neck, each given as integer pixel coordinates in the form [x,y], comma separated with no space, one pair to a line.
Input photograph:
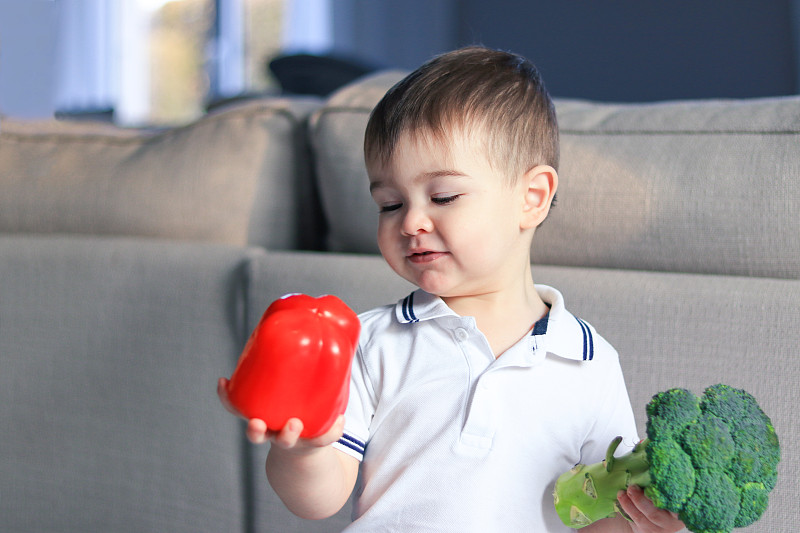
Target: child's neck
[503,317]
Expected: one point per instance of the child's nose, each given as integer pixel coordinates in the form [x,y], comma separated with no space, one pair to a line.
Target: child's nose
[416,221]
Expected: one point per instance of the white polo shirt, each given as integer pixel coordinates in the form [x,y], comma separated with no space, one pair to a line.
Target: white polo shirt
[452,439]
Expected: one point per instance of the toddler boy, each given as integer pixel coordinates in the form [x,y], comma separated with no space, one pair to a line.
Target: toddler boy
[470,396]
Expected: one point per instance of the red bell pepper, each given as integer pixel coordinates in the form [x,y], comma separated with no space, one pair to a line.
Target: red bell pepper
[296,364]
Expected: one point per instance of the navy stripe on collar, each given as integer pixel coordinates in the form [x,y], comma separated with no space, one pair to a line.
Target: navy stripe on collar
[408,309]
[588,340]
[540,328]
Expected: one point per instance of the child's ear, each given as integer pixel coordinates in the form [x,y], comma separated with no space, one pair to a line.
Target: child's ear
[540,184]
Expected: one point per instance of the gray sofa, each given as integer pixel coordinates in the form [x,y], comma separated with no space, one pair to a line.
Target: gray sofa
[134,264]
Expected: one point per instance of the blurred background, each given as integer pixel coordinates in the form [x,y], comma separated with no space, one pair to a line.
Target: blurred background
[166,62]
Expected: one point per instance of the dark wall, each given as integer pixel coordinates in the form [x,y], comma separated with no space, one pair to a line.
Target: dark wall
[621,50]
[646,50]
[389,33]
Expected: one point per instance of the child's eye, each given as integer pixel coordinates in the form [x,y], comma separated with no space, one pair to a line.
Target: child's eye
[444,200]
[390,207]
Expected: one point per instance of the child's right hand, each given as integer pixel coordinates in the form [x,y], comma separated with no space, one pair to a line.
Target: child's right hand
[287,438]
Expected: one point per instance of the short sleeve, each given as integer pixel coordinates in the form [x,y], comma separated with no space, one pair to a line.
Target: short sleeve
[359,412]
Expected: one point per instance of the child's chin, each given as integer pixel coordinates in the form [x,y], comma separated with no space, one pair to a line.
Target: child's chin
[437,287]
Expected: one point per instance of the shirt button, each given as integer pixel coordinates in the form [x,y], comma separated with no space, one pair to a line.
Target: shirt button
[461,334]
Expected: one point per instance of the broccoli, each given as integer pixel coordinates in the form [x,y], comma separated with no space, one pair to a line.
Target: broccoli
[713,460]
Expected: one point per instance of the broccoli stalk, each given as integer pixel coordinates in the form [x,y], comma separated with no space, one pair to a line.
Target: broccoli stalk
[588,493]
[713,460]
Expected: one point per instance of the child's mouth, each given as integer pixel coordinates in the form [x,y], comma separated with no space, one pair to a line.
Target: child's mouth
[425,257]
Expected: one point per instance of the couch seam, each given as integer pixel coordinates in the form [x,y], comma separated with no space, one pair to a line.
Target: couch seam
[247,476]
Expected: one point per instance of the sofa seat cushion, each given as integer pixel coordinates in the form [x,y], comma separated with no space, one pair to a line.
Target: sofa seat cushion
[693,331]
[670,329]
[238,175]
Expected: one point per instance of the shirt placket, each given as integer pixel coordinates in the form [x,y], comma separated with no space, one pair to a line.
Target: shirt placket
[478,429]
[487,379]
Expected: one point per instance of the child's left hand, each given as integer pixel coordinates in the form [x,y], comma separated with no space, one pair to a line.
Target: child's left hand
[647,518]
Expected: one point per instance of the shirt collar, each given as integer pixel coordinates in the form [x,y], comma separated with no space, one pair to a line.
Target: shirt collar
[420,306]
[560,332]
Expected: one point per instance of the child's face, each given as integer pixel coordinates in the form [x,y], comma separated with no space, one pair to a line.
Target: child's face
[449,222]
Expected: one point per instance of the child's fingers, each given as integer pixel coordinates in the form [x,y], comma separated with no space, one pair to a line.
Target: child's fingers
[647,517]
[630,508]
[256,431]
[330,436]
[287,437]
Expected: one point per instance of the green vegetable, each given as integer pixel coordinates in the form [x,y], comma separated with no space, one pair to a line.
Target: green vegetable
[713,460]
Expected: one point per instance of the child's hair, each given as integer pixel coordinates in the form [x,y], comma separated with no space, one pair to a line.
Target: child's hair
[498,95]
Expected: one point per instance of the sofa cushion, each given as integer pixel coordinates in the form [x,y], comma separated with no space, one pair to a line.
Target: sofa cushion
[238,175]
[693,186]
[110,350]
[337,137]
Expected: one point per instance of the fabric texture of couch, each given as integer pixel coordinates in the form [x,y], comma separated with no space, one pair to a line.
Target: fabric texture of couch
[134,264]
[239,176]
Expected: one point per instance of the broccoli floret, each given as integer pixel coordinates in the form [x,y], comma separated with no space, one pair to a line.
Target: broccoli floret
[752,503]
[710,442]
[672,474]
[670,412]
[714,505]
[713,460]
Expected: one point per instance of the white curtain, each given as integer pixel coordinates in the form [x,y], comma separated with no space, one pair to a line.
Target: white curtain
[102,58]
[308,26]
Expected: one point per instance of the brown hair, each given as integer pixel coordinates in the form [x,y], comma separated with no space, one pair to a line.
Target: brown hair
[498,94]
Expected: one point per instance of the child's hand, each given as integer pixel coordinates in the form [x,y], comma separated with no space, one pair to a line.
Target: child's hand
[287,438]
[647,518]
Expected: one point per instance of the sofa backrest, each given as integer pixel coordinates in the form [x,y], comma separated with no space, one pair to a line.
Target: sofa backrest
[239,175]
[337,138]
[696,186]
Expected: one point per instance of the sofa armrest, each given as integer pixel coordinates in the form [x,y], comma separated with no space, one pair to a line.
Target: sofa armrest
[110,350]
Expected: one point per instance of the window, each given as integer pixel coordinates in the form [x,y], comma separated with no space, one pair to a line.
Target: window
[161,62]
